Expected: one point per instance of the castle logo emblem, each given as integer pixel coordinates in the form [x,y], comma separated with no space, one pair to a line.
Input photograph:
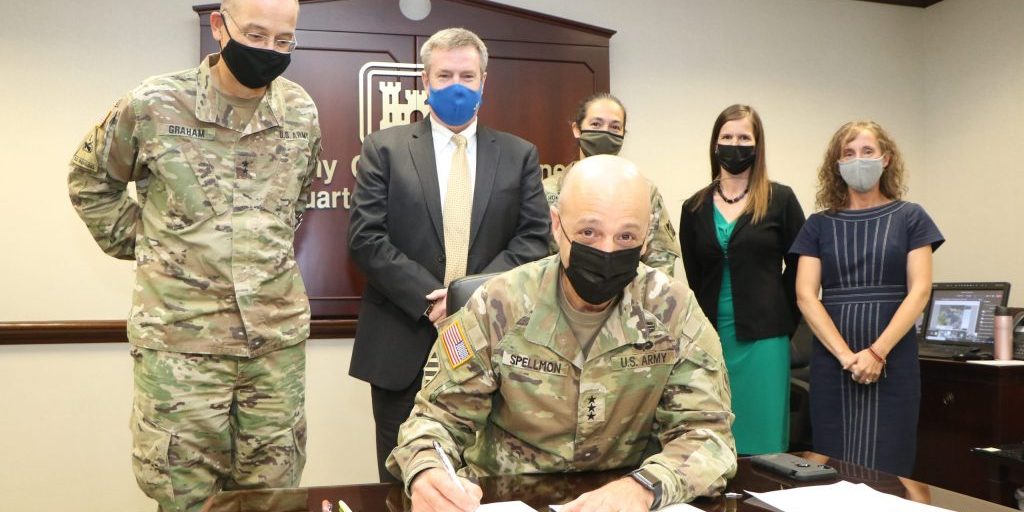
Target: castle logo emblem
[397,105]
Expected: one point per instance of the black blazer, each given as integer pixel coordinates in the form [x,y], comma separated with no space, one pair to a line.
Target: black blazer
[396,237]
[763,294]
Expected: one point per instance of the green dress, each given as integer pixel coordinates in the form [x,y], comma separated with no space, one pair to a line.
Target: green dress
[758,372]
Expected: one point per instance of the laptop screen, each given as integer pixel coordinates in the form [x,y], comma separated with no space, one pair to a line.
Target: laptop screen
[962,313]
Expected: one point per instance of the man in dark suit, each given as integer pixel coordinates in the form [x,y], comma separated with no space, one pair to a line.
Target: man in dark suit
[434,200]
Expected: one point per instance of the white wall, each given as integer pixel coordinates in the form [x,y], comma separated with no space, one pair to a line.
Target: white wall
[64,427]
[974,107]
[807,66]
[944,81]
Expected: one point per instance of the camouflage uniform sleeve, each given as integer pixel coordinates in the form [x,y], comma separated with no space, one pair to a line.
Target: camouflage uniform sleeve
[315,148]
[694,417]
[454,404]
[106,160]
[552,187]
[662,242]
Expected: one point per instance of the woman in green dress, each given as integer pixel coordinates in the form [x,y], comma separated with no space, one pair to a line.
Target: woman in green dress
[735,236]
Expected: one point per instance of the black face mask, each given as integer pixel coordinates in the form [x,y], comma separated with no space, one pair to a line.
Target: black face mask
[598,142]
[598,276]
[253,67]
[736,159]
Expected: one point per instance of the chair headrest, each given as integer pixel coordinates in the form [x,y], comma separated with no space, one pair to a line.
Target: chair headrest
[462,288]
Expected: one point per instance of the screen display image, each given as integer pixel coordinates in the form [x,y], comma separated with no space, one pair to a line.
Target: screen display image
[955,320]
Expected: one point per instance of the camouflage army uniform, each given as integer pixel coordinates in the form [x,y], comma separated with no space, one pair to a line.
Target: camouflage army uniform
[662,243]
[514,394]
[219,305]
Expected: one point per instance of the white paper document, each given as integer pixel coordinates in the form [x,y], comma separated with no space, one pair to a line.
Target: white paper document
[678,507]
[840,497]
[505,506]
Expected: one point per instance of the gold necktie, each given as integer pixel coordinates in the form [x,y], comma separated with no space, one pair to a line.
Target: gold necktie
[458,207]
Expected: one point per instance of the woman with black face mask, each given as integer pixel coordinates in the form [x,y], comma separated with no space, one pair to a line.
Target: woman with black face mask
[599,127]
[735,233]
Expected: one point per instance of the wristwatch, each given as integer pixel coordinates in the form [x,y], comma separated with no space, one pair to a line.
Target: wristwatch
[651,483]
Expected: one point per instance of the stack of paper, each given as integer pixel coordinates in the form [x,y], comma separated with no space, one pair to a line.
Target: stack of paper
[839,497]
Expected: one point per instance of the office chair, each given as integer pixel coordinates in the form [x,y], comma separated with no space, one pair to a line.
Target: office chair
[461,289]
[800,387]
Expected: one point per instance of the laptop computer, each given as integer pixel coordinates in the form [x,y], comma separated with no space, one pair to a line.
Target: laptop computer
[959,318]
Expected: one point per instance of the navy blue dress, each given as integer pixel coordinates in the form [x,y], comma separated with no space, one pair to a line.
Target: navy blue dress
[863,257]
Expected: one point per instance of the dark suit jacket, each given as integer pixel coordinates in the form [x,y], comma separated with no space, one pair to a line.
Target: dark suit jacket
[396,237]
[763,294]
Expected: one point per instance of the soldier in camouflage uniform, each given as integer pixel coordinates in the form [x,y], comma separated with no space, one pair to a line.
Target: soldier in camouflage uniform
[549,369]
[222,157]
[599,127]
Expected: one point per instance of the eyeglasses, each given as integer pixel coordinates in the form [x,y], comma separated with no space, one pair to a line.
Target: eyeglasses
[262,40]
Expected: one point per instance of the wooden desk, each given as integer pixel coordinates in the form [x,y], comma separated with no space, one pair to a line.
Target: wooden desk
[540,491]
[1005,471]
[966,405]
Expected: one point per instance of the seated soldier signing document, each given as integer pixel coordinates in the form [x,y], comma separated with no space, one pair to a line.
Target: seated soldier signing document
[585,360]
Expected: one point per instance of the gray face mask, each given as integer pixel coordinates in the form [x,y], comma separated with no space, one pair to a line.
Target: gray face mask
[861,174]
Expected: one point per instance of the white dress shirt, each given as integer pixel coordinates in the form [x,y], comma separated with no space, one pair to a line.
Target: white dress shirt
[444,148]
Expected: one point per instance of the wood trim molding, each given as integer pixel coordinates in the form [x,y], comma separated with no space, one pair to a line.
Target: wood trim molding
[113,331]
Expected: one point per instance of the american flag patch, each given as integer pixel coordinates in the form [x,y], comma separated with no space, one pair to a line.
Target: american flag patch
[455,345]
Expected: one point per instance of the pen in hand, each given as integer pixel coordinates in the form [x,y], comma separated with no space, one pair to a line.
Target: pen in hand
[448,468]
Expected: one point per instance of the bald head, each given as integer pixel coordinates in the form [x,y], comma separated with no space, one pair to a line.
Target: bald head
[228,5]
[274,19]
[604,204]
[605,179]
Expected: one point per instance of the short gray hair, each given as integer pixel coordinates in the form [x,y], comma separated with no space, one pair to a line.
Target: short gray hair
[450,38]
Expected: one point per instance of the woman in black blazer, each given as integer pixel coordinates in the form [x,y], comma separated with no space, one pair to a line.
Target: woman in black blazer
[735,236]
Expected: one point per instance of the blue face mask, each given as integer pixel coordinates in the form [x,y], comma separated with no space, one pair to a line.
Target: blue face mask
[455,104]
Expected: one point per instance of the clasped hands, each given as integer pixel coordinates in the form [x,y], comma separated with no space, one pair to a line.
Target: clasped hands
[864,368]
[434,491]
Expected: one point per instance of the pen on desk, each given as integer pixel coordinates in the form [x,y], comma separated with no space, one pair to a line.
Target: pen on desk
[447,463]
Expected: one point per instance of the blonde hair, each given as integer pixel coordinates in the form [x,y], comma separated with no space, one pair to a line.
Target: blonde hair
[833,193]
[450,38]
[760,188]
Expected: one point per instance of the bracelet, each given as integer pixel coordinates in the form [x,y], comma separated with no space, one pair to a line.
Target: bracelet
[876,356]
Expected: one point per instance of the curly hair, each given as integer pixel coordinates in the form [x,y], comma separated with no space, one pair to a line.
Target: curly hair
[833,193]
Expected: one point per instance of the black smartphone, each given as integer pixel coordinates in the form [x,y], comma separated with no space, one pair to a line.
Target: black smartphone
[791,466]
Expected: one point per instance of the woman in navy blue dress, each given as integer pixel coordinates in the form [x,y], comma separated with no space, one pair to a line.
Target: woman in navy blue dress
[870,254]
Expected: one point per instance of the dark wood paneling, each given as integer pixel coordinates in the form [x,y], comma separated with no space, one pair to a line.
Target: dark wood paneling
[328,66]
[527,82]
[964,406]
[113,331]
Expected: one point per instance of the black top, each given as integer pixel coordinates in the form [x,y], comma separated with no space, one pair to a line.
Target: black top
[764,293]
